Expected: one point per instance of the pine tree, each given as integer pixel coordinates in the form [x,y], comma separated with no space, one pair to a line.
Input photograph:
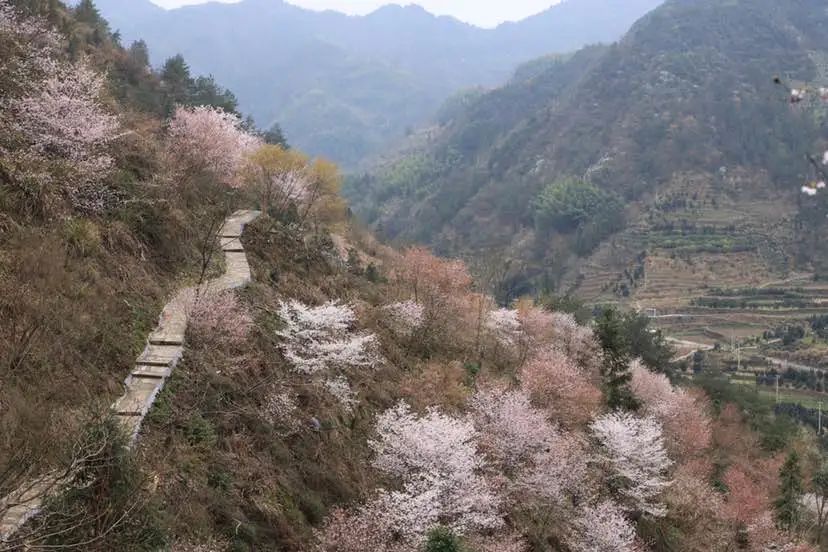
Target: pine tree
[819,488]
[177,82]
[615,369]
[789,503]
[139,53]
[442,539]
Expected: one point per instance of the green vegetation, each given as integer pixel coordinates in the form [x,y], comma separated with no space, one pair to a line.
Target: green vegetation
[789,502]
[615,368]
[640,123]
[347,88]
[575,206]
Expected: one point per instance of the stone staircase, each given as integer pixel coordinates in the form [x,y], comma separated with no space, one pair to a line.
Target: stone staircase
[165,347]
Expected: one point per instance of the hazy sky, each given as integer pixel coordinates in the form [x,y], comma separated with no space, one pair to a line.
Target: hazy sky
[485,13]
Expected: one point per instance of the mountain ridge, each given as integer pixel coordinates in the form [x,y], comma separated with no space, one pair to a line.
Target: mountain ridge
[688,91]
[347,86]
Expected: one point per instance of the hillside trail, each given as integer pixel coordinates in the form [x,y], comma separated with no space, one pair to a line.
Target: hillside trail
[165,347]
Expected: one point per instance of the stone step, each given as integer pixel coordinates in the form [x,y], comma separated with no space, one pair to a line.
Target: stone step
[139,396]
[147,377]
[150,371]
[161,355]
[232,245]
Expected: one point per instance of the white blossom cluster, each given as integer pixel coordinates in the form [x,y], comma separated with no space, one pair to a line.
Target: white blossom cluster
[318,339]
[504,325]
[405,316]
[636,453]
[603,528]
[436,457]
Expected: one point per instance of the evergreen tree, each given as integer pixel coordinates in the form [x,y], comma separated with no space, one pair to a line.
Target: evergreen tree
[819,487]
[177,82]
[615,369]
[139,53]
[275,136]
[87,12]
[442,539]
[789,503]
[205,91]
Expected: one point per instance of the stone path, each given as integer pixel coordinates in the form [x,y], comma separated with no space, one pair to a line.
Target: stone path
[165,347]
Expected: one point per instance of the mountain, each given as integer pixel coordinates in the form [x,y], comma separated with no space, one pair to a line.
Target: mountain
[342,86]
[685,154]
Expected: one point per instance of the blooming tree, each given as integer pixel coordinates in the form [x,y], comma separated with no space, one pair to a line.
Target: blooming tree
[220,315]
[543,460]
[65,118]
[436,457]
[341,390]
[432,280]
[683,415]
[208,138]
[320,338]
[603,528]
[552,379]
[511,429]
[405,316]
[366,528]
[746,500]
[504,326]
[282,178]
[634,448]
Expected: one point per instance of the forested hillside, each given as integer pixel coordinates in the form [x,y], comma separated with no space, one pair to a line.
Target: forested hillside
[345,87]
[581,166]
[202,352]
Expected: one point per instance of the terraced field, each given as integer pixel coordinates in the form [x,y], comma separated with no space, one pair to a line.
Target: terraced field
[709,260]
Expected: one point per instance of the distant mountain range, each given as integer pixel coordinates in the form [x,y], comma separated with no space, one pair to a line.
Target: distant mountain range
[343,86]
[680,123]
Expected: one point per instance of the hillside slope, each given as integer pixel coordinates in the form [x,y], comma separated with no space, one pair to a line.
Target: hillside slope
[343,87]
[306,388]
[680,116]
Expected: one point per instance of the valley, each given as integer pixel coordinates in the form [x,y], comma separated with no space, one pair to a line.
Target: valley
[563,286]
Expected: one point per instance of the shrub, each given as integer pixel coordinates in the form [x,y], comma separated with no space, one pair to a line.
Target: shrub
[443,539]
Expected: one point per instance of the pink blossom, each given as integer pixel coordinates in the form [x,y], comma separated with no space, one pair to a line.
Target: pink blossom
[208,138]
[406,316]
[553,380]
[684,418]
[340,389]
[220,315]
[64,118]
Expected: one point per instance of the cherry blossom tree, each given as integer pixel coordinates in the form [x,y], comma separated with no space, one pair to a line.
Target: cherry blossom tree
[500,543]
[511,429]
[317,339]
[341,390]
[553,380]
[682,413]
[405,316]
[603,528]
[365,528]
[64,118]
[282,178]
[746,501]
[504,326]
[206,138]
[541,460]
[577,341]
[634,449]
[436,457]
[220,316]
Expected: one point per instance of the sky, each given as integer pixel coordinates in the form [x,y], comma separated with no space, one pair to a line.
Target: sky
[483,13]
